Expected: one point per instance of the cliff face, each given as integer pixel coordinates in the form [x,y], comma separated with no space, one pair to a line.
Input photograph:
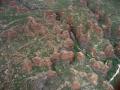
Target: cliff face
[59,44]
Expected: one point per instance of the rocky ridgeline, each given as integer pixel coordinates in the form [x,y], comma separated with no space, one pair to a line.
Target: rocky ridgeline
[79,49]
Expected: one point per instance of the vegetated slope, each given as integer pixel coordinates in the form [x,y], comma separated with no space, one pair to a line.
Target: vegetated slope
[58,44]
